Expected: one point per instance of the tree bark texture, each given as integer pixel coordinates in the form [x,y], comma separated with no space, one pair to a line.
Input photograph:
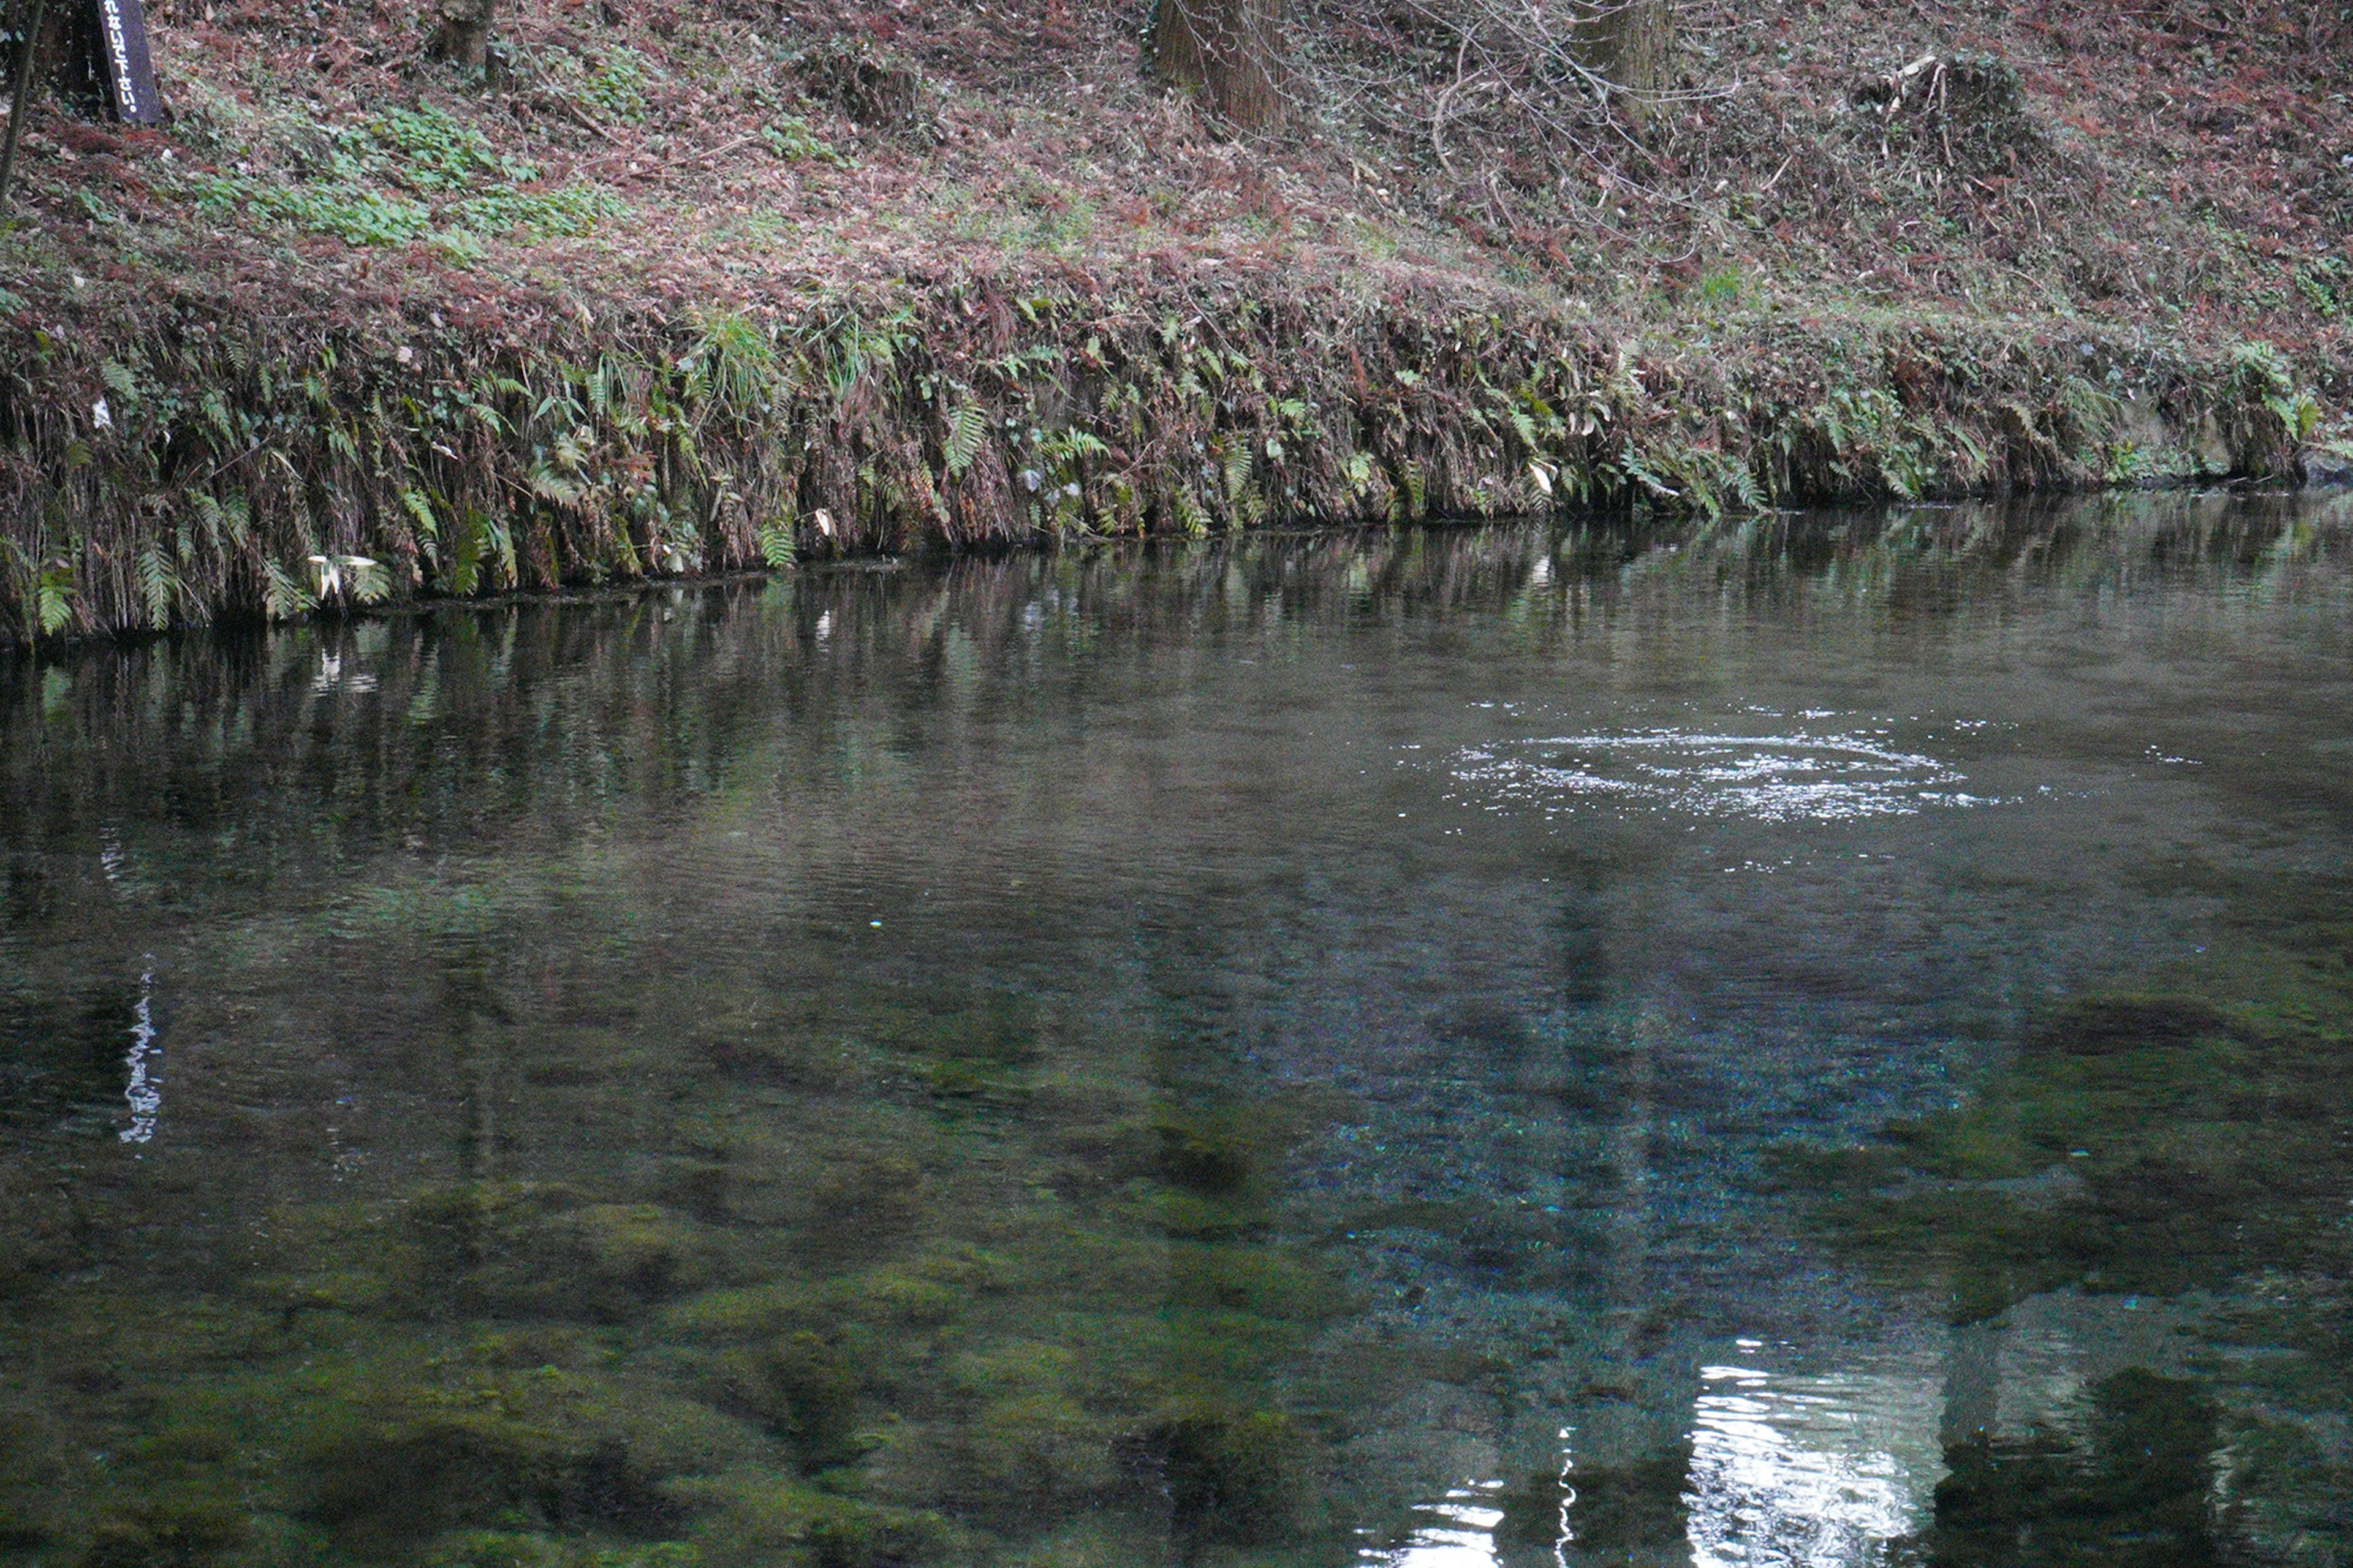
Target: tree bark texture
[1228,51]
[462,33]
[1629,42]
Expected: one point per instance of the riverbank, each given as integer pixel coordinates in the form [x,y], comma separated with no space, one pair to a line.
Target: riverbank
[682,293]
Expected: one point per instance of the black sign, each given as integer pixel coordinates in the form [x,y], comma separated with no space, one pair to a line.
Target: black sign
[122,54]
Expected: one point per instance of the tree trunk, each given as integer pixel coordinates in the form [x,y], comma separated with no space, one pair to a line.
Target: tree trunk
[463,33]
[1228,51]
[1629,42]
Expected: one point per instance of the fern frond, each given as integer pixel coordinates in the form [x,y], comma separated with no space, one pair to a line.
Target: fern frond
[53,600]
[1525,428]
[156,583]
[283,595]
[775,542]
[1237,468]
[422,511]
[370,582]
[965,428]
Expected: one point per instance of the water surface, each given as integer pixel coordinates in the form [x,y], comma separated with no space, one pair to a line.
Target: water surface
[1821,1041]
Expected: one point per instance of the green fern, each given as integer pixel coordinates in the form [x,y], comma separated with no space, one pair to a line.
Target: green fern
[774,538]
[966,425]
[156,583]
[283,595]
[550,484]
[1748,488]
[422,511]
[52,598]
[370,582]
[1525,428]
[502,548]
[1236,469]
[464,572]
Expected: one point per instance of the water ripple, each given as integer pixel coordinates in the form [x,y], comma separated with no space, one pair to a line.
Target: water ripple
[1764,778]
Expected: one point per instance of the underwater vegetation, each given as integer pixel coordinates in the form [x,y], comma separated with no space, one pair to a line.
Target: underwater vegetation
[920,1325]
[2140,1145]
[690,1078]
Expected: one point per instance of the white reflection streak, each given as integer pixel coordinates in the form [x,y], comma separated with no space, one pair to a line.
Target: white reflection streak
[1568,1536]
[1761,1492]
[144,1094]
[331,676]
[1466,1539]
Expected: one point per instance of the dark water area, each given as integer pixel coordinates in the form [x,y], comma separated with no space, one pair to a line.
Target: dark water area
[1821,1041]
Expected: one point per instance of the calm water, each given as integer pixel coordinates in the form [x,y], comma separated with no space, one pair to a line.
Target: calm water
[1824,1042]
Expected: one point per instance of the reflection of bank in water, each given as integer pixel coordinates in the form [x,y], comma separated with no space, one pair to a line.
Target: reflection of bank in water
[1914,1444]
[2063,1434]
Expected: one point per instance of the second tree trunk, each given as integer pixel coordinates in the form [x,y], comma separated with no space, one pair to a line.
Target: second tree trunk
[1228,51]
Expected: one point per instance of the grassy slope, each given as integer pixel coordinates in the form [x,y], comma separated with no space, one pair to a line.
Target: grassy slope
[661,302]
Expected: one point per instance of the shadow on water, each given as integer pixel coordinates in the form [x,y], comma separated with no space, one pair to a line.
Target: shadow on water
[1812,1040]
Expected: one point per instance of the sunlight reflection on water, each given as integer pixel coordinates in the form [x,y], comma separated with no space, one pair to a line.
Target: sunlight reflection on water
[1462,1537]
[1814,1471]
[145,1092]
[1764,778]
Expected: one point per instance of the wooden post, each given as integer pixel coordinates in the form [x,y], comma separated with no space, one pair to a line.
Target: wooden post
[122,55]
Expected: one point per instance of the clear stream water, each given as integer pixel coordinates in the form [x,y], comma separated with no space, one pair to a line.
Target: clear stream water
[1821,1041]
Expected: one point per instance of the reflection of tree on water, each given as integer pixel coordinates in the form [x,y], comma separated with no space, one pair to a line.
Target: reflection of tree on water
[471,1012]
[2134,1490]
[2140,1151]
[2139,1145]
[1623,1512]
[143,1094]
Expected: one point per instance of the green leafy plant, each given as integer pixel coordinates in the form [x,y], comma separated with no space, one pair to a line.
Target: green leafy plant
[2326,285]
[615,85]
[789,137]
[460,191]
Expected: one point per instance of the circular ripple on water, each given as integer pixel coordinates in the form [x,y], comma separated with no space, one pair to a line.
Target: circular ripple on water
[1764,778]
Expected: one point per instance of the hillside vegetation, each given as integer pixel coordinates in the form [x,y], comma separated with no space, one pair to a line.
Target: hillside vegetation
[670,287]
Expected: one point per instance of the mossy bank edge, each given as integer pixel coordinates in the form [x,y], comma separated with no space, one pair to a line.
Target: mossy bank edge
[187,457]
